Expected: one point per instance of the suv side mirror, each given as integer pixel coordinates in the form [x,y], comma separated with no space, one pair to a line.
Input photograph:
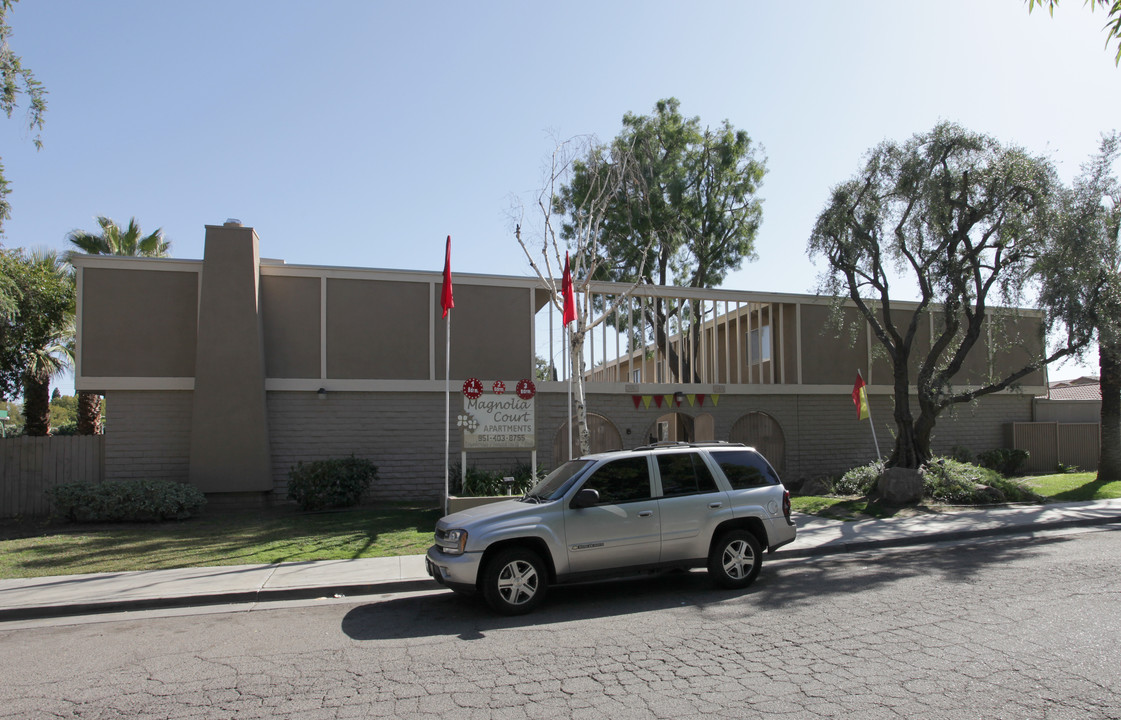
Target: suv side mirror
[585,498]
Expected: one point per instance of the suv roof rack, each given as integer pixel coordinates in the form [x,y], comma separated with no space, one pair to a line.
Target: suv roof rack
[683,444]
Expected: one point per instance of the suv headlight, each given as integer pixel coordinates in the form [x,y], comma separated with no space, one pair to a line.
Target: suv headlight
[454,542]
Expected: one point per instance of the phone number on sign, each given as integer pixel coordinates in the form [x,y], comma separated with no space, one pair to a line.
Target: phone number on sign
[488,439]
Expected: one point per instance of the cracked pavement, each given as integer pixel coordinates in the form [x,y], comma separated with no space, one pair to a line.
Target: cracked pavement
[1010,628]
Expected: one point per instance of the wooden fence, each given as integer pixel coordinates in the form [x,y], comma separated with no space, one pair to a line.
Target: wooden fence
[29,466]
[1050,444]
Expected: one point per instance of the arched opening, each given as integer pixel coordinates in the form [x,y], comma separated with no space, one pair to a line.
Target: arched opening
[704,427]
[604,437]
[762,432]
[671,427]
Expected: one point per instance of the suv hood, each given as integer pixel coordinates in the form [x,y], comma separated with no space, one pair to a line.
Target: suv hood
[506,509]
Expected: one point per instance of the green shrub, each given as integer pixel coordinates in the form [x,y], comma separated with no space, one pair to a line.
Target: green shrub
[949,481]
[489,483]
[335,483]
[67,428]
[962,454]
[126,501]
[859,481]
[1006,461]
[944,480]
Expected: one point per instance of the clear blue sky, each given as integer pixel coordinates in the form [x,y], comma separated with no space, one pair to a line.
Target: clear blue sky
[362,133]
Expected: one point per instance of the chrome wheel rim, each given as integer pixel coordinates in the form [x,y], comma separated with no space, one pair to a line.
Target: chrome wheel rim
[517,583]
[738,559]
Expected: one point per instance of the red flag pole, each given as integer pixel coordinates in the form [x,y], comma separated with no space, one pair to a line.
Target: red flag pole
[862,388]
[567,317]
[447,302]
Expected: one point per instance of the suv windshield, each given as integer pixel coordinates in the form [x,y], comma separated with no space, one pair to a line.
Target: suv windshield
[558,481]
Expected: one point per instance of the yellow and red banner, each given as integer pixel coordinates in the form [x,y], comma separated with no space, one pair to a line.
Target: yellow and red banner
[860,398]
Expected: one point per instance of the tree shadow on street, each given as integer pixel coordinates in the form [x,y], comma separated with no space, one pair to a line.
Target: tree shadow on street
[782,584]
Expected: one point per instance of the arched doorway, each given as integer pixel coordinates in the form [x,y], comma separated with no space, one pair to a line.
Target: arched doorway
[671,427]
[604,437]
[762,432]
[704,427]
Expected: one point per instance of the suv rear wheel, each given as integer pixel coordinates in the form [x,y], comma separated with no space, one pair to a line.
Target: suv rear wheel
[735,559]
[514,581]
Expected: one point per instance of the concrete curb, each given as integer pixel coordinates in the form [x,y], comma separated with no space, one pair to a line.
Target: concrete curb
[40,612]
[916,540]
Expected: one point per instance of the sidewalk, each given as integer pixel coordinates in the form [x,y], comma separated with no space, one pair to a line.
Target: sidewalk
[28,598]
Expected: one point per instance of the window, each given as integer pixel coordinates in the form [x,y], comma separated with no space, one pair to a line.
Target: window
[684,474]
[636,376]
[759,344]
[621,481]
[745,469]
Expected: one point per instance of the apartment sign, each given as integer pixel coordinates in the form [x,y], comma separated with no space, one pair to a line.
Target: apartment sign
[497,421]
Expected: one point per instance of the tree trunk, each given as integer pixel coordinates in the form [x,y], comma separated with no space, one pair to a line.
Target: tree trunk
[36,407]
[661,339]
[89,413]
[1109,364]
[577,349]
[912,439]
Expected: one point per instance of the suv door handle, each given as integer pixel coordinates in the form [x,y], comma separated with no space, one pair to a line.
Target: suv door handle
[646,513]
[715,505]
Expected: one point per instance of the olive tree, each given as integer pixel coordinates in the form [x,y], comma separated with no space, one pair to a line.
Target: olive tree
[964,219]
[1081,285]
[1112,24]
[16,81]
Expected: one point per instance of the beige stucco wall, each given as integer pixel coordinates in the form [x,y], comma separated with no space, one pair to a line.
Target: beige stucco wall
[291,321]
[830,356]
[138,323]
[491,333]
[377,329]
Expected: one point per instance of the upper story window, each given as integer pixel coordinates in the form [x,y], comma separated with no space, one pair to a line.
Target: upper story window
[759,344]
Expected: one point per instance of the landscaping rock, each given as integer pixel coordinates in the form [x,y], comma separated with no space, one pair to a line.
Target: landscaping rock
[987,494]
[900,486]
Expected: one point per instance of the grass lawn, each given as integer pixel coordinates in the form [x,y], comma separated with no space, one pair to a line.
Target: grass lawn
[1071,487]
[34,549]
[1062,487]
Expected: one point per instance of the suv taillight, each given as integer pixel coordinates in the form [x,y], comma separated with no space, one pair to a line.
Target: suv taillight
[786,504]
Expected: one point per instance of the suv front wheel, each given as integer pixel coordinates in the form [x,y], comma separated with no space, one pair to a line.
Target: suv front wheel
[514,581]
[735,559]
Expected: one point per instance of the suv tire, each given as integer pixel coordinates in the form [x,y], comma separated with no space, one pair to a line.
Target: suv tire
[735,559]
[514,581]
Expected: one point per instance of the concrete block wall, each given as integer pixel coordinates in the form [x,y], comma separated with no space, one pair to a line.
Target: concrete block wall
[822,433]
[148,434]
[403,433]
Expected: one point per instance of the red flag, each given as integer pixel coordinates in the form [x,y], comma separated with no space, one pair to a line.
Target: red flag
[860,398]
[446,293]
[569,296]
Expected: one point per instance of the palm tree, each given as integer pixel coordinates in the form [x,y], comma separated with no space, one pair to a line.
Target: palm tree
[44,364]
[114,241]
[111,241]
[47,319]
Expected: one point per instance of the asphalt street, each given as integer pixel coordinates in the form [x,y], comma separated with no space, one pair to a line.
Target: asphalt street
[1007,627]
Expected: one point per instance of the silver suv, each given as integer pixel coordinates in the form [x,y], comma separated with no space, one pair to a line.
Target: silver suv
[661,506]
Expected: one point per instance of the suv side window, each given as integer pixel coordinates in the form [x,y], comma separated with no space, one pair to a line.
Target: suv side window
[621,481]
[745,469]
[684,474]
